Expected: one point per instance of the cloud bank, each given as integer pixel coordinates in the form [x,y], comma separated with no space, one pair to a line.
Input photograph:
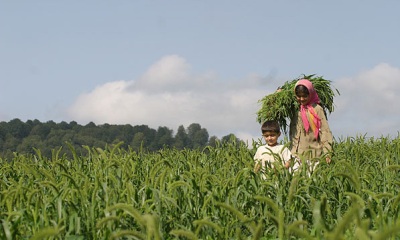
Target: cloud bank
[170,94]
[368,103]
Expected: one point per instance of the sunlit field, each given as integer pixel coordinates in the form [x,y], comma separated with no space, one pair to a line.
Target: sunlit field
[210,193]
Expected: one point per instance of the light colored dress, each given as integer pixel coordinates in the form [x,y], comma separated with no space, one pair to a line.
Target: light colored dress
[266,154]
[304,144]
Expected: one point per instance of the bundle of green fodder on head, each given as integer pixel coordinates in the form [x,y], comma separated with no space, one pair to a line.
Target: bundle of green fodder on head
[282,104]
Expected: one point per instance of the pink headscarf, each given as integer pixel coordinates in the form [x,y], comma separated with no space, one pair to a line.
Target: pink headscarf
[308,109]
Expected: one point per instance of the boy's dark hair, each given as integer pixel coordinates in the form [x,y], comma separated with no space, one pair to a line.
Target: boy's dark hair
[301,89]
[270,126]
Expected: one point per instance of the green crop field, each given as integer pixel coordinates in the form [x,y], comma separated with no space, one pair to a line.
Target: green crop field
[210,193]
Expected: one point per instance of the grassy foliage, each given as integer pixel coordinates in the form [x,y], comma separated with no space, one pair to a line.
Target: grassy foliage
[201,194]
[282,105]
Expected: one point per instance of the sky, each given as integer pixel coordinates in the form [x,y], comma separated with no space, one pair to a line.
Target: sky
[177,62]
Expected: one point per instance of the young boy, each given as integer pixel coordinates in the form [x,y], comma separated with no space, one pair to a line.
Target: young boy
[272,151]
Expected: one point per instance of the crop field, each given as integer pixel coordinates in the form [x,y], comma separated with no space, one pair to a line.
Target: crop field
[211,193]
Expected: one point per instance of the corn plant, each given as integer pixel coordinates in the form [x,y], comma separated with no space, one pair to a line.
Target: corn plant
[209,193]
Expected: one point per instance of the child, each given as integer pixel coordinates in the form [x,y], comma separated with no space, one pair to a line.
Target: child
[272,151]
[310,134]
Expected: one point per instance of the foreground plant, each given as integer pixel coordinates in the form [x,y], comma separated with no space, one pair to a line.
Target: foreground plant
[212,193]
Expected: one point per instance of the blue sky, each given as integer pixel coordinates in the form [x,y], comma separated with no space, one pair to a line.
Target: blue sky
[171,63]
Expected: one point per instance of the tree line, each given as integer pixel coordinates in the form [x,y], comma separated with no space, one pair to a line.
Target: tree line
[46,138]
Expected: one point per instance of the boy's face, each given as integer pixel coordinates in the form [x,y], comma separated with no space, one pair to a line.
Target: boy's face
[271,138]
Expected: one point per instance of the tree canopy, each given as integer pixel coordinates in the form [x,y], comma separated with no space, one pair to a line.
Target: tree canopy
[32,136]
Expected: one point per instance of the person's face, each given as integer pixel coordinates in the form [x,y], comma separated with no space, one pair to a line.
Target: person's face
[271,138]
[303,98]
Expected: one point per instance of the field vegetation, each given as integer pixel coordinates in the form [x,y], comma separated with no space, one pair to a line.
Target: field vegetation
[207,193]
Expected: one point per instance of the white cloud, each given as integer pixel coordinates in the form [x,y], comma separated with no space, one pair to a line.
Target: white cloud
[170,72]
[368,103]
[169,94]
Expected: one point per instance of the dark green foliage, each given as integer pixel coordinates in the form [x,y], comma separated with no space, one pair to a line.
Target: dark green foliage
[21,137]
[282,105]
[197,136]
[181,138]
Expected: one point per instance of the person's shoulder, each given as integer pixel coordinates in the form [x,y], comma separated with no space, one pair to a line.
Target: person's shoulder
[262,148]
[318,108]
[278,147]
[316,105]
[282,147]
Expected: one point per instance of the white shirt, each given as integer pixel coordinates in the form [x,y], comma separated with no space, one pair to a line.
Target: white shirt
[269,154]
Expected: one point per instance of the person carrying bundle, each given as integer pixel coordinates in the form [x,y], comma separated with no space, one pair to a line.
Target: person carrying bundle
[309,133]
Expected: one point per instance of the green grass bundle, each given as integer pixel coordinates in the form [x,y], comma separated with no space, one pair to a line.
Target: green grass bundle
[282,105]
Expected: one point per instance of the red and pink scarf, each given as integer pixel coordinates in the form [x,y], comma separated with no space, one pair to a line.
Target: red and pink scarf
[308,110]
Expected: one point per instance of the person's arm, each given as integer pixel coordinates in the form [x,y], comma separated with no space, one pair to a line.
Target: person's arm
[294,135]
[257,161]
[257,166]
[287,157]
[326,136]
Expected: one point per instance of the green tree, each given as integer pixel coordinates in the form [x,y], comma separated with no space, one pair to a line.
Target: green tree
[125,134]
[63,125]
[10,144]
[213,141]
[55,137]
[30,142]
[149,136]
[40,130]
[138,140]
[163,138]
[181,138]
[230,138]
[18,129]
[198,137]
